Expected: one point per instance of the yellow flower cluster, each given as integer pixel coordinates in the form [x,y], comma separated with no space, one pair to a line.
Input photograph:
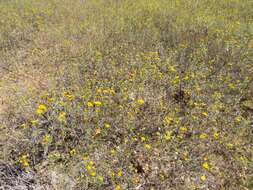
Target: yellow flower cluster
[147,146]
[69,96]
[46,138]
[62,116]
[206,166]
[90,168]
[140,101]
[24,161]
[95,103]
[167,135]
[41,109]
[117,187]
[168,120]
[72,152]
[203,136]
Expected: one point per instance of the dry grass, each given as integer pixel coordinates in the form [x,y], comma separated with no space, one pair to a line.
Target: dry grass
[147,94]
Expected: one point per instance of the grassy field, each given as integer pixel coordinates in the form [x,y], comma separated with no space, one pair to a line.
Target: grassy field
[126,94]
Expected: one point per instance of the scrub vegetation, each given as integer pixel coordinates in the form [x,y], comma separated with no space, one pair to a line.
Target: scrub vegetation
[126,94]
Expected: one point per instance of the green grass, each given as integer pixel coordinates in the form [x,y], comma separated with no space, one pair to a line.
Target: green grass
[147,94]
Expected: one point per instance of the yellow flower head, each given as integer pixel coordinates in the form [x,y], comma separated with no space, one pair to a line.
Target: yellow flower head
[89,104]
[206,166]
[229,145]
[172,68]
[183,129]
[119,174]
[98,103]
[107,126]
[203,178]
[167,135]
[50,99]
[88,167]
[203,136]
[62,116]
[101,179]
[62,103]
[168,120]
[24,161]
[140,101]
[238,119]
[46,138]
[41,109]
[72,152]
[147,146]
[143,138]
[205,114]
[93,173]
[216,135]
[34,122]
[117,187]
[68,96]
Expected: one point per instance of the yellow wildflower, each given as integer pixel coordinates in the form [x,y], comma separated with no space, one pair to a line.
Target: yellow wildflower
[99,90]
[62,116]
[203,178]
[41,109]
[91,163]
[206,166]
[98,103]
[185,156]
[183,129]
[38,111]
[231,86]
[69,96]
[172,68]
[46,138]
[93,173]
[229,145]
[186,78]
[24,161]
[34,122]
[238,119]
[143,138]
[216,135]
[50,99]
[72,152]
[89,104]
[168,120]
[88,167]
[101,179]
[107,126]
[112,174]
[203,136]
[175,80]
[167,135]
[140,101]
[117,187]
[147,146]
[205,114]
[62,103]
[113,152]
[119,174]
[23,125]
